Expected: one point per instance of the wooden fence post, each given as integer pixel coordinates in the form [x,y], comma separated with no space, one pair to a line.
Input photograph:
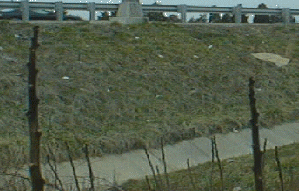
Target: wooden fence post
[37,181]
[255,138]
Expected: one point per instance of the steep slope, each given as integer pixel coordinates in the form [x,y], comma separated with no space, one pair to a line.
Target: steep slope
[119,88]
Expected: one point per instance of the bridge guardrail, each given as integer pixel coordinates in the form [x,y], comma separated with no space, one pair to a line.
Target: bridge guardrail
[92,7]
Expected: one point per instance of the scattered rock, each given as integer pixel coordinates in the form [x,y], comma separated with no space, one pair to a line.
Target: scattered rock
[195,56]
[193,91]
[65,78]
[136,37]
[160,56]
[1,48]
[235,130]
[20,37]
[237,188]
[258,89]
[210,46]
[8,58]
[230,160]
[270,57]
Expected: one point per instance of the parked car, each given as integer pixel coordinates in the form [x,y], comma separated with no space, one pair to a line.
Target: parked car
[38,14]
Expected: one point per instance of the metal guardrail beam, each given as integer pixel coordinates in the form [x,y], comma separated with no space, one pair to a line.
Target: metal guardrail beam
[261,11]
[49,5]
[160,8]
[42,5]
[13,5]
[75,6]
[84,6]
[294,11]
[106,7]
[209,9]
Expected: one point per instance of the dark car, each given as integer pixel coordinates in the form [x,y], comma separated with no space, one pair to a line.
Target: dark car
[38,14]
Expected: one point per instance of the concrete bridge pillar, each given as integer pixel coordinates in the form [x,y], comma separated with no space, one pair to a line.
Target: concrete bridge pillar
[59,11]
[183,10]
[92,11]
[129,12]
[286,15]
[25,10]
[237,11]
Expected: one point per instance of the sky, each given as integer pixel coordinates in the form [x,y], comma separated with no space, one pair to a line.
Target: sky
[292,4]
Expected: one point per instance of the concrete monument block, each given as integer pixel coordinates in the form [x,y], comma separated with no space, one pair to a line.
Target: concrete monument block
[129,12]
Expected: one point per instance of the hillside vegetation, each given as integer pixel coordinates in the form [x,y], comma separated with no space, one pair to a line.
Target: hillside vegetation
[130,85]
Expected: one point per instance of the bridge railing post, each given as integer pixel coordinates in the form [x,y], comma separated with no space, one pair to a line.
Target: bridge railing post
[286,15]
[237,11]
[92,10]
[183,10]
[59,10]
[25,10]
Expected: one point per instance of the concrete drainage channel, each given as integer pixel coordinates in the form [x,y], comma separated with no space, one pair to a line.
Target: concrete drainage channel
[118,168]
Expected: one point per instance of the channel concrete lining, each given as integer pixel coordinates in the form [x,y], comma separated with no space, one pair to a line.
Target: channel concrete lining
[134,165]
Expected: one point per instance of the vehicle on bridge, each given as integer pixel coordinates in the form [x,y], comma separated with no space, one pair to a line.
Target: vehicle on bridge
[38,14]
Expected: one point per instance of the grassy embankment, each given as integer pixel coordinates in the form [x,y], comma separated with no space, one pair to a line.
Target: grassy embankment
[129,85]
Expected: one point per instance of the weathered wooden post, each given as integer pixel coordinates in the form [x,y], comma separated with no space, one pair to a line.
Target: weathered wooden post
[37,181]
[258,174]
